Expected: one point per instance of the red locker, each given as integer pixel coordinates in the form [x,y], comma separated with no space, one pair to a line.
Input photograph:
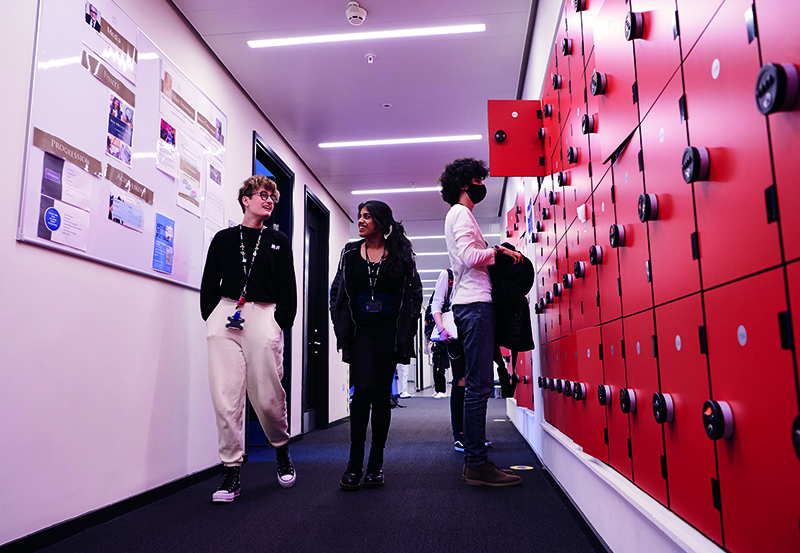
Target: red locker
[631,235]
[603,255]
[693,18]
[613,80]
[524,390]
[575,47]
[583,294]
[592,123]
[514,145]
[793,280]
[758,468]
[591,414]
[674,271]
[550,110]
[658,55]
[589,12]
[691,464]
[619,442]
[730,205]
[569,372]
[784,125]
[646,434]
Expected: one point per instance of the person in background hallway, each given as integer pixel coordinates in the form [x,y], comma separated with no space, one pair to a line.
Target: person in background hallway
[248,297]
[462,188]
[375,303]
[402,380]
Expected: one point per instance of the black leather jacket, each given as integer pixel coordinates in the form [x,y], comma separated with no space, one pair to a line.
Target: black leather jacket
[408,295]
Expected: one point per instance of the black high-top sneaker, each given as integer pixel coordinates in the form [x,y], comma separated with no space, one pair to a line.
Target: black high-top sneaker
[230,487]
[286,473]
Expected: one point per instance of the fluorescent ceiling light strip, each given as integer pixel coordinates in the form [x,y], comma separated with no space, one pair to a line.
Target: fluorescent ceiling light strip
[348,37]
[396,141]
[396,190]
[429,270]
[431,253]
[440,236]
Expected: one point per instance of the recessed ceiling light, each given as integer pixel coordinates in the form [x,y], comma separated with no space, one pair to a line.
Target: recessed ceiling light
[347,37]
[394,141]
[387,105]
[396,190]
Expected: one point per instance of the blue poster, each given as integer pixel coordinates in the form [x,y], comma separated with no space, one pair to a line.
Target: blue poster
[163,249]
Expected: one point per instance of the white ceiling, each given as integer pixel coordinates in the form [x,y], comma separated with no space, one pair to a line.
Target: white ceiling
[437,86]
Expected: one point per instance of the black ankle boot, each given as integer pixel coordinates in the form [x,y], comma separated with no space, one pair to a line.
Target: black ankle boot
[374,477]
[351,479]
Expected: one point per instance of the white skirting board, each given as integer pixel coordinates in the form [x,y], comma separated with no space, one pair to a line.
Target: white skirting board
[626,518]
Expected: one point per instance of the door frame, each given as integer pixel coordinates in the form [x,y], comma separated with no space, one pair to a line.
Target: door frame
[322,392]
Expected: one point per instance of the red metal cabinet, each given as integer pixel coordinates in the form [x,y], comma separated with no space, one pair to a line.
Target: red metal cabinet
[614,60]
[646,434]
[590,413]
[683,366]
[550,111]
[514,145]
[784,126]
[569,371]
[588,16]
[675,273]
[693,18]
[608,265]
[658,55]
[634,255]
[524,390]
[619,443]
[735,238]
[759,476]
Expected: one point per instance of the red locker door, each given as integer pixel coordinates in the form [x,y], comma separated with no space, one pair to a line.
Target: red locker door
[514,145]
[619,442]
[569,372]
[693,18]
[758,469]
[630,234]
[657,51]
[691,463]
[730,205]
[590,10]
[591,414]
[557,414]
[774,27]
[524,390]
[585,308]
[550,110]
[674,271]
[606,257]
[575,149]
[564,297]
[592,123]
[614,77]
[646,434]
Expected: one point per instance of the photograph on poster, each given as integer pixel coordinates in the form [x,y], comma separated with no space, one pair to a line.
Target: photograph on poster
[125,209]
[92,17]
[168,133]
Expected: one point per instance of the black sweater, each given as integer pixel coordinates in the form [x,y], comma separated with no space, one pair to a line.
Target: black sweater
[272,279]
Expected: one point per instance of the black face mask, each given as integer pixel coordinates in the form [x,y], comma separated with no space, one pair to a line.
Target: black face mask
[476,192]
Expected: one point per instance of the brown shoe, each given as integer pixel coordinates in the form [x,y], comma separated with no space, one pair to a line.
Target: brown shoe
[488,474]
[464,470]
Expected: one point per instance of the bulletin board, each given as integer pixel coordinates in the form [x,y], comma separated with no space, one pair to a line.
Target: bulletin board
[125,156]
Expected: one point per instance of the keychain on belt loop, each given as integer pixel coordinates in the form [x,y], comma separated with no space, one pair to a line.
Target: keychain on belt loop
[236,322]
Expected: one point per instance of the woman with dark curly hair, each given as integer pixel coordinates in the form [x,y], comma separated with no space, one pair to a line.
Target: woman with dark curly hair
[375,303]
[462,188]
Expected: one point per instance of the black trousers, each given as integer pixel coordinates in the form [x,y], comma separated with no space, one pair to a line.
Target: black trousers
[372,366]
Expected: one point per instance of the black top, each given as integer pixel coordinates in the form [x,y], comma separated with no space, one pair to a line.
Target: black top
[272,279]
[383,291]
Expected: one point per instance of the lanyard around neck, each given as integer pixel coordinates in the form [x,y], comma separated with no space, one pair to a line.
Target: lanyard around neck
[245,267]
[373,270]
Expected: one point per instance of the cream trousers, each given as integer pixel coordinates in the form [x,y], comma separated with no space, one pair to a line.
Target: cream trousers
[248,360]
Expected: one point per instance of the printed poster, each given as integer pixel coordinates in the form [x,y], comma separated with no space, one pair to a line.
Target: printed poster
[164,245]
[62,223]
[125,209]
[189,180]
[64,181]
[111,34]
[119,137]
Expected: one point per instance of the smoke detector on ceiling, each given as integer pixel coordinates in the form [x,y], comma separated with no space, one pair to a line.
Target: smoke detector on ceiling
[355,13]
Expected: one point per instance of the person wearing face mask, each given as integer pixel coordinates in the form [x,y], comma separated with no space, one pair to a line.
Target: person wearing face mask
[462,188]
[375,302]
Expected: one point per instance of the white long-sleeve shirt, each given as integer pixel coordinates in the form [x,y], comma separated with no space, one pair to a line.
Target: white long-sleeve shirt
[469,257]
[440,292]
